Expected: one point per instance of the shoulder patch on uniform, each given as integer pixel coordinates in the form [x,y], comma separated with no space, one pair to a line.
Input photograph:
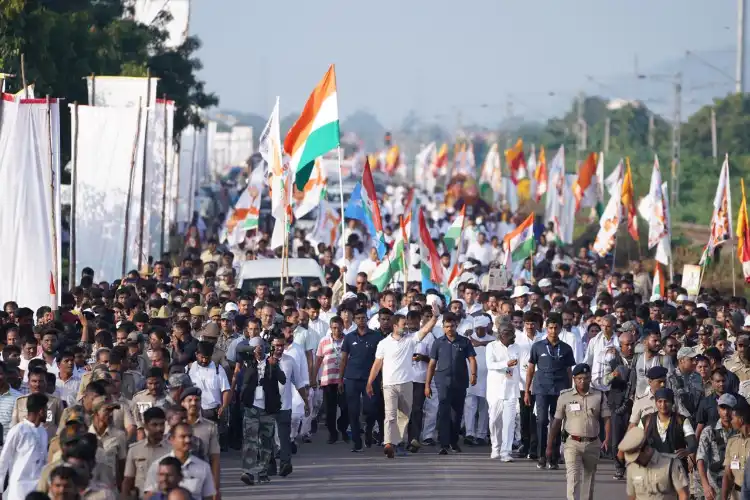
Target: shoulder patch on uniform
[564,391]
[133,445]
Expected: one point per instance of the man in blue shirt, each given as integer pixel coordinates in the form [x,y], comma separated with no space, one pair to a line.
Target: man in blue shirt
[552,359]
[357,357]
[448,358]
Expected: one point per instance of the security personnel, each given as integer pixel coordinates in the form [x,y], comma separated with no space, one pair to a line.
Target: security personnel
[448,357]
[651,475]
[738,448]
[581,408]
[38,385]
[143,453]
[357,357]
[152,395]
[645,404]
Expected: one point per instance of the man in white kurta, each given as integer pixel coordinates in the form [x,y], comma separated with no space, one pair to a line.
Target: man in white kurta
[503,377]
[475,406]
[25,451]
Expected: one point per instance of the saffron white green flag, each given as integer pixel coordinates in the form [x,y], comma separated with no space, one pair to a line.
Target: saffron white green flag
[394,261]
[453,234]
[519,244]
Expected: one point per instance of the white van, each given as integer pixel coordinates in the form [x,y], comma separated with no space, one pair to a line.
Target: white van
[268,271]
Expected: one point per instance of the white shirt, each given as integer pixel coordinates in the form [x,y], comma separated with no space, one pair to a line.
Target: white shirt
[480,389]
[419,368]
[260,396]
[303,339]
[502,381]
[396,356]
[298,354]
[367,266]
[573,339]
[23,456]
[327,315]
[212,381]
[293,377]
[523,342]
[598,358]
[197,477]
[482,253]
[319,328]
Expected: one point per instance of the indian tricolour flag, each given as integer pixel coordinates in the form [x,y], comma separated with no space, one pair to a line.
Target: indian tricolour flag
[394,262]
[453,235]
[316,131]
[519,244]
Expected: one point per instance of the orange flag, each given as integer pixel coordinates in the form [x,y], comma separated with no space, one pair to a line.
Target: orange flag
[585,176]
[627,199]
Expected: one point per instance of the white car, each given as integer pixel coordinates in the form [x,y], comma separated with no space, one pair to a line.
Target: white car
[268,271]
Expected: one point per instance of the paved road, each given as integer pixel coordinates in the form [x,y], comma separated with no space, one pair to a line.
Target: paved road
[323,471]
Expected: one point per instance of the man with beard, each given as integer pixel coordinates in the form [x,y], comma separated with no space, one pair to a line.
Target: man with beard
[685,382]
[644,362]
[618,397]
[261,399]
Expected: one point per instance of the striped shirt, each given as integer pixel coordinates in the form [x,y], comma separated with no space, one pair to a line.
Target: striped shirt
[7,402]
[330,368]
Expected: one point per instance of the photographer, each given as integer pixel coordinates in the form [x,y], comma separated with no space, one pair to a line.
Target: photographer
[261,400]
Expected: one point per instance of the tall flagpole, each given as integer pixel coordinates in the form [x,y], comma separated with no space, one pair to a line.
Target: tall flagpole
[341,203]
[73,202]
[55,277]
[731,232]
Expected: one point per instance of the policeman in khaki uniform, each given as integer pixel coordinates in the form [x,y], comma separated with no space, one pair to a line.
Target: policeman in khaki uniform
[143,453]
[737,450]
[38,384]
[152,395]
[651,475]
[581,410]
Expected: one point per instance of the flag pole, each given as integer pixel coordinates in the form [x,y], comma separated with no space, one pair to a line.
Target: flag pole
[164,185]
[341,203]
[130,188]
[53,197]
[142,216]
[73,201]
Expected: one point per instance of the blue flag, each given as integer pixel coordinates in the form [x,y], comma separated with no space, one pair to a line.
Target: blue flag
[355,209]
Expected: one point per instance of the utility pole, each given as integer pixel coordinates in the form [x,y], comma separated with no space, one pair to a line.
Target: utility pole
[676,122]
[651,129]
[740,65]
[580,130]
[607,124]
[714,138]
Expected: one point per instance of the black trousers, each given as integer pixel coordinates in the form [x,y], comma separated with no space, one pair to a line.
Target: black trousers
[355,390]
[417,412]
[334,401]
[450,412]
[619,425]
[545,407]
[528,426]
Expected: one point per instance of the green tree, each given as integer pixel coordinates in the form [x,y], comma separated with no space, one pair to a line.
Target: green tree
[63,42]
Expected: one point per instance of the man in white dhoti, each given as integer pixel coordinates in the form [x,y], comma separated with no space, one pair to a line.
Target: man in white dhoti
[503,377]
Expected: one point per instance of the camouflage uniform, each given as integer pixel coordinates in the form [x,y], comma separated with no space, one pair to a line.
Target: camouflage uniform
[688,390]
[257,447]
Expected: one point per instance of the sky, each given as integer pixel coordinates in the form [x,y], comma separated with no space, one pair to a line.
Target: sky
[438,56]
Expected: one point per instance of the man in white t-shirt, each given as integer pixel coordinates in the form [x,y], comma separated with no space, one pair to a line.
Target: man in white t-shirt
[394,356]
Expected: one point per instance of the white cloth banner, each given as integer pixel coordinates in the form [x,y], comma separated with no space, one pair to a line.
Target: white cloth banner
[30,187]
[158,157]
[106,137]
[121,91]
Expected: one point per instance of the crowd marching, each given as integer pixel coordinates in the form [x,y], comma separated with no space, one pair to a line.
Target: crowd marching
[138,386]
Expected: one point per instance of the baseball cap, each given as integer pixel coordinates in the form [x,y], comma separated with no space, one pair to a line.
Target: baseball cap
[211,330]
[727,400]
[133,337]
[177,380]
[102,402]
[686,352]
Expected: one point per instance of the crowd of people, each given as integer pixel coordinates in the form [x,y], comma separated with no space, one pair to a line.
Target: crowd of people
[137,387]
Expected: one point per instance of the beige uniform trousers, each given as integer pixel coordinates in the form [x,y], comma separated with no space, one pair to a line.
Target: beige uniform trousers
[581,460]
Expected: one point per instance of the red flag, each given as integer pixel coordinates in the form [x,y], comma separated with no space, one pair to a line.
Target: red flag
[52,289]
